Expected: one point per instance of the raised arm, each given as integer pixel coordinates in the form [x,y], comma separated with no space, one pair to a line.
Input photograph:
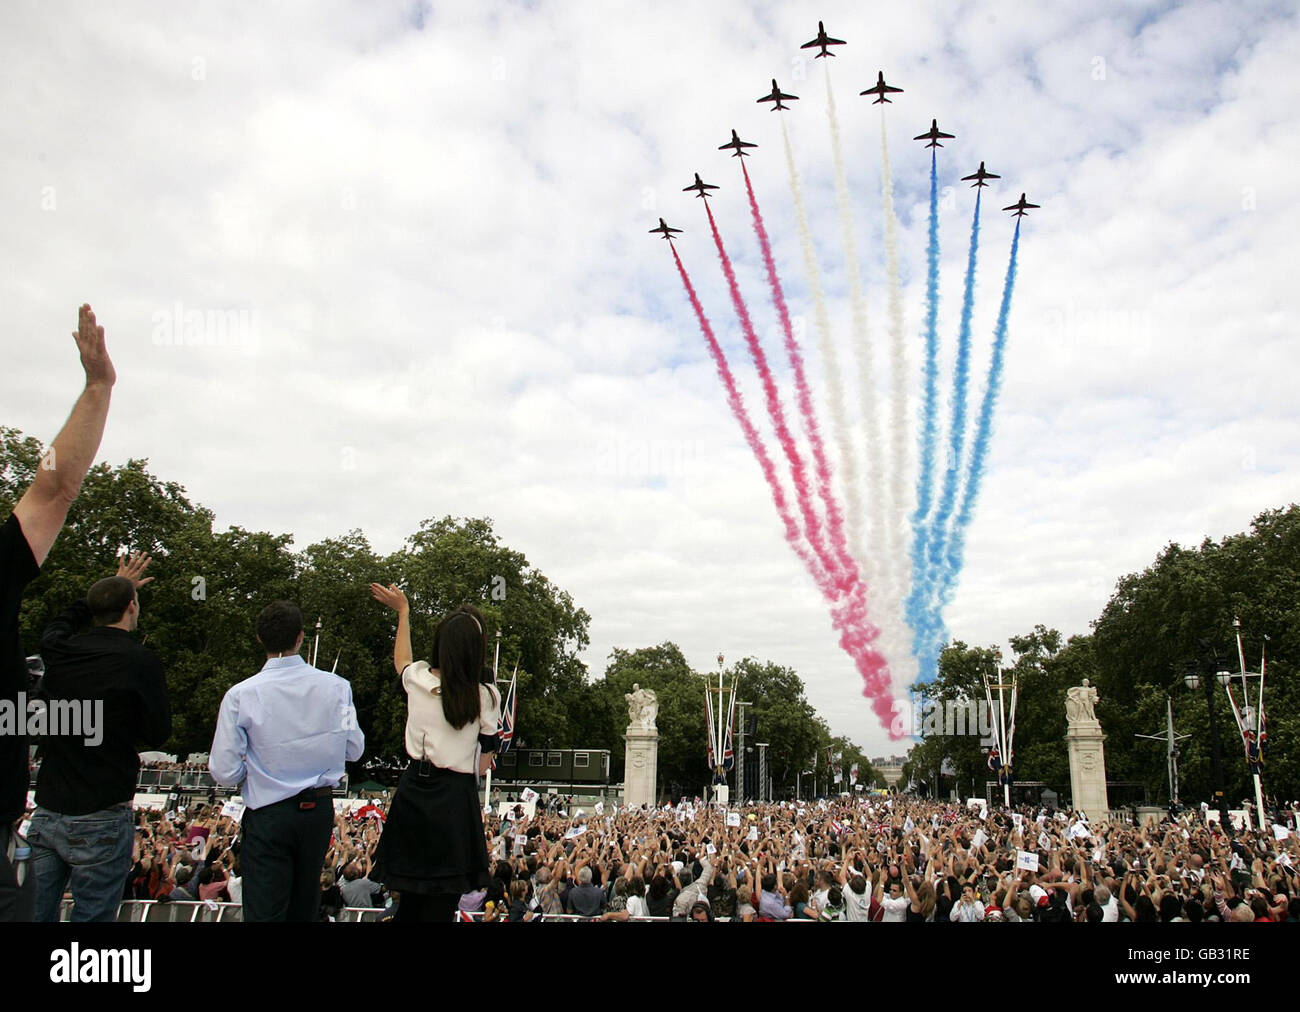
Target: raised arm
[44,506]
[1127,907]
[393,597]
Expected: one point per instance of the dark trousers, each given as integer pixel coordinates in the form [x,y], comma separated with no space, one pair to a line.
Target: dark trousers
[434,909]
[281,854]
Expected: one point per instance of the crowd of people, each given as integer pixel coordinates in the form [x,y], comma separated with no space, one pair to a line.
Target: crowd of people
[172,766]
[895,859]
[284,852]
[886,859]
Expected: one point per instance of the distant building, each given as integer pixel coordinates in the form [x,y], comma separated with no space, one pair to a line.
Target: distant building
[891,769]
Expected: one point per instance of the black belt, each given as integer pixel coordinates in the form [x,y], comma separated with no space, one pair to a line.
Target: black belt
[307,799]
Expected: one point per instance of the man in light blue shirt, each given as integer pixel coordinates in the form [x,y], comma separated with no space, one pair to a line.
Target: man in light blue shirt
[283,736]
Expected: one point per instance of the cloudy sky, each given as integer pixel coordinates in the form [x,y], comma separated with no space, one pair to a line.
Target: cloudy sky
[424,226]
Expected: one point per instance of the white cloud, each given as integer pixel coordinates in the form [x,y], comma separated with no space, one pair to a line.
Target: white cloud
[437,236]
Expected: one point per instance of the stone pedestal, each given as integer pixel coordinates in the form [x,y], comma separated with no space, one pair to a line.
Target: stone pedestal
[641,770]
[1088,770]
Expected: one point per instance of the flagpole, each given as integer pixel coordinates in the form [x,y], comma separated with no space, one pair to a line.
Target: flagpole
[1172,758]
[496,660]
[1259,743]
[1244,722]
[1002,741]
[316,647]
[1009,764]
[718,729]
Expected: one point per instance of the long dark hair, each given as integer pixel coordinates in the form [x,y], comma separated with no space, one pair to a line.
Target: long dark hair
[458,643]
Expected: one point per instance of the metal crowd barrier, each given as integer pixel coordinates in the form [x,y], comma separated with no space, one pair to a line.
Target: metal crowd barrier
[478,915]
[199,911]
[196,911]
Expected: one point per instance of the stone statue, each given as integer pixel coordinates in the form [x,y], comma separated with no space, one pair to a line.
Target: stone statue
[642,707]
[1079,701]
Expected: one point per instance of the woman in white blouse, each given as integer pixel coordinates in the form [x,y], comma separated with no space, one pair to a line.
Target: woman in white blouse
[432,849]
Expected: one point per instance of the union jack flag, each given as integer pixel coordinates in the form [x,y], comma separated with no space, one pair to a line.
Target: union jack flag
[995,761]
[506,725]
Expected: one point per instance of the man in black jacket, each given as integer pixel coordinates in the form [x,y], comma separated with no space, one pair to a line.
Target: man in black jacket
[83,827]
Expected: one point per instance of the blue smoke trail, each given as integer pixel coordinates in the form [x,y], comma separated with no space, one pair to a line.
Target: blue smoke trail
[983,432]
[916,616]
[931,634]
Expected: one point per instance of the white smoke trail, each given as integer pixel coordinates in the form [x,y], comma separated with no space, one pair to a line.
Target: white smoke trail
[899,503]
[866,545]
[825,347]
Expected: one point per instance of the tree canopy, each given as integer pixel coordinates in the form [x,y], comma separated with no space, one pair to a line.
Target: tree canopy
[1177,612]
[209,585]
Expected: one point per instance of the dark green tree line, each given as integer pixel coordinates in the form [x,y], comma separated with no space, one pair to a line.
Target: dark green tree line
[199,611]
[1177,612]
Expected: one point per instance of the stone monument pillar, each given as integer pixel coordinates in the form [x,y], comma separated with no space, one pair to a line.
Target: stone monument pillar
[1087,754]
[641,769]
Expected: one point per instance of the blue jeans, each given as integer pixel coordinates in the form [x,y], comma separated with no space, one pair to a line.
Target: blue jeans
[92,853]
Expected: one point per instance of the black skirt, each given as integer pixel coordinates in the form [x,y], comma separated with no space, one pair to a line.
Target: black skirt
[433,840]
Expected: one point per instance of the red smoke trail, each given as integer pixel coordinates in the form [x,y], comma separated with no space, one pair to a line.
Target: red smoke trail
[871,664]
[752,437]
[812,522]
[856,634]
[834,515]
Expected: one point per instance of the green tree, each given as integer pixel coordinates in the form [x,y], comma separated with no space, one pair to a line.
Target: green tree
[449,562]
[1180,610]
[198,613]
[680,719]
[1172,613]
